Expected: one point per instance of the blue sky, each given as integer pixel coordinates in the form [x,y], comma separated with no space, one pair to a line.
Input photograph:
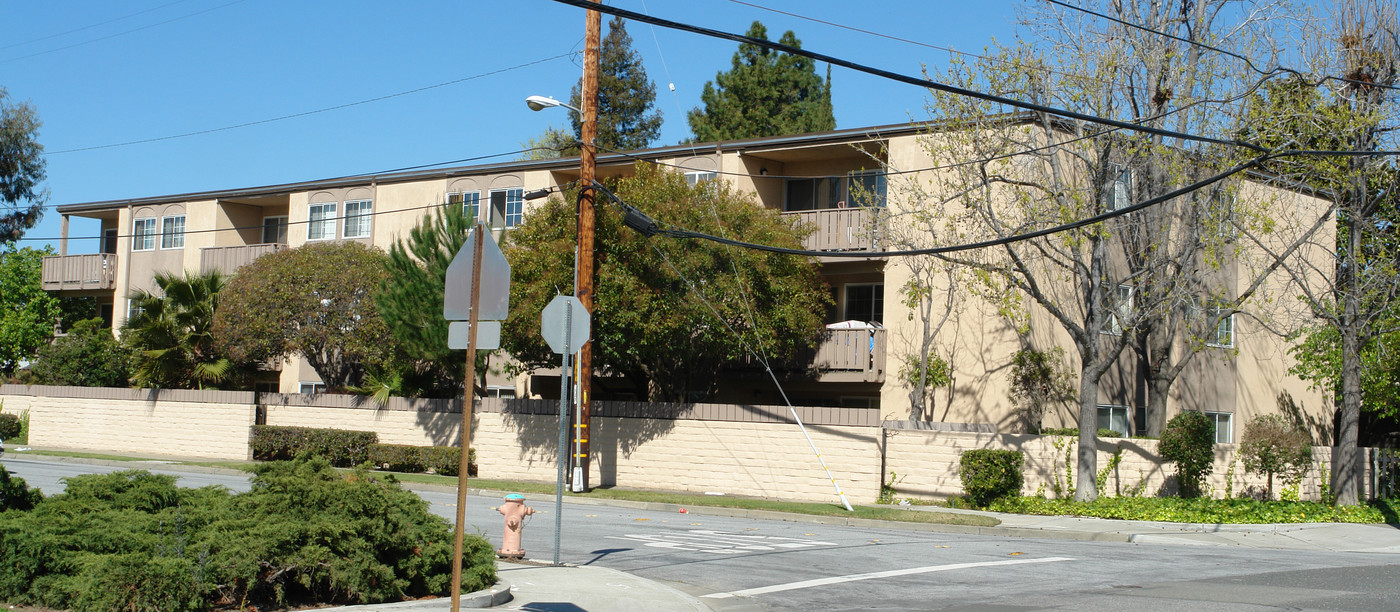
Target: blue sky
[182,66]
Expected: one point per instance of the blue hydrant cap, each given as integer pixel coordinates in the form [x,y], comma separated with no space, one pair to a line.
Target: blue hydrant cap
[515,497]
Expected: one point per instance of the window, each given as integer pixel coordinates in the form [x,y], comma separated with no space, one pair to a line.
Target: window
[859,188]
[695,177]
[1120,188]
[508,206]
[322,222]
[1223,336]
[500,391]
[267,386]
[867,188]
[132,310]
[1122,310]
[865,303]
[109,241]
[311,388]
[357,218]
[1223,215]
[143,236]
[1115,418]
[1224,433]
[471,204]
[172,232]
[274,230]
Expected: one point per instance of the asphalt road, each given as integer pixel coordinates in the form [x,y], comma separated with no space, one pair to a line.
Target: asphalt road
[749,564]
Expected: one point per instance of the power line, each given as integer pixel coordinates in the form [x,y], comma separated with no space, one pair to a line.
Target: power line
[123,33]
[902,78]
[913,42]
[311,112]
[91,26]
[1273,72]
[368,176]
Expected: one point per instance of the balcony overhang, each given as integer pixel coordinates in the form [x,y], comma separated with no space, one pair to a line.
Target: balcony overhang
[868,152]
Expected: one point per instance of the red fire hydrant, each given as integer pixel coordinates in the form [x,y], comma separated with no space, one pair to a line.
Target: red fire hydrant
[515,512]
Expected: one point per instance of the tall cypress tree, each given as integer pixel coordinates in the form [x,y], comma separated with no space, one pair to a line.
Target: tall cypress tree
[764,93]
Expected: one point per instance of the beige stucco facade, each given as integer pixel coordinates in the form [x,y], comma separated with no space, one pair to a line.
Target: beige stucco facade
[1246,379]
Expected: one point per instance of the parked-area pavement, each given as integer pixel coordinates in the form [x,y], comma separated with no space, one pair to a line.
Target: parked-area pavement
[540,586]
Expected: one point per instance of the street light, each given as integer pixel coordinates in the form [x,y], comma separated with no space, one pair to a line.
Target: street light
[583,259]
[538,103]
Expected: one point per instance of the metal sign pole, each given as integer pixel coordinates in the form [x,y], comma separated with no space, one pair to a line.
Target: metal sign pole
[563,431]
[467,403]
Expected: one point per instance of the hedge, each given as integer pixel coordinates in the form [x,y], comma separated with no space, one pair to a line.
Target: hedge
[342,447]
[443,460]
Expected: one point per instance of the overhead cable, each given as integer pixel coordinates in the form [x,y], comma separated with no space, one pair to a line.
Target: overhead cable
[313,112]
[903,78]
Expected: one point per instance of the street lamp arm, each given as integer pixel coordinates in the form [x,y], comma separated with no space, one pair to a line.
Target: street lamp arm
[539,103]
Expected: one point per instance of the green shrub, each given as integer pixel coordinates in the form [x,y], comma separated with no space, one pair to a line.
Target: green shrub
[1105,432]
[89,356]
[1060,431]
[15,493]
[1271,446]
[1201,510]
[342,447]
[10,426]
[990,474]
[446,460]
[305,535]
[397,457]
[1189,441]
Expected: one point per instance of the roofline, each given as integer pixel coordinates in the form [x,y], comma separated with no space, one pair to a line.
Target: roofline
[852,134]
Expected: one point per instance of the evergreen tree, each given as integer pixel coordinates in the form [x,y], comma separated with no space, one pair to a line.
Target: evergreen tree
[765,93]
[21,168]
[627,117]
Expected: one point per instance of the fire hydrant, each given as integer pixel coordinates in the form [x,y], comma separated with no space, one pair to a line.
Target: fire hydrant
[515,512]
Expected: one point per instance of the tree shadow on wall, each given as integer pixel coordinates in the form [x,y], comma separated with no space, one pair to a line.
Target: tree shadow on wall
[617,430]
[1318,427]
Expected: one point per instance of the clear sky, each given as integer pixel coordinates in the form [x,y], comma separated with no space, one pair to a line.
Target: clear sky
[108,73]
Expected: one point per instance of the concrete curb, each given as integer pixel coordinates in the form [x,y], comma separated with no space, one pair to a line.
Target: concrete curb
[487,598]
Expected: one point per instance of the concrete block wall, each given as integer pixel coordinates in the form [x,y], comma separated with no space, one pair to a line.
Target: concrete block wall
[176,423]
[402,421]
[925,464]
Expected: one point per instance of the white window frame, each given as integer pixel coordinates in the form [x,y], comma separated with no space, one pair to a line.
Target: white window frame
[846,302]
[1120,187]
[281,225]
[1122,310]
[361,220]
[509,219]
[1224,225]
[326,222]
[1223,335]
[501,391]
[1112,409]
[132,310]
[143,234]
[169,238]
[1229,430]
[695,177]
[307,387]
[468,200]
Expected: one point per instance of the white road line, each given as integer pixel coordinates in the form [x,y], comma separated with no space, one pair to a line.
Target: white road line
[854,577]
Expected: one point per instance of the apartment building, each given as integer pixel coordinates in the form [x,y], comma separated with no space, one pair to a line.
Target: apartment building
[834,182]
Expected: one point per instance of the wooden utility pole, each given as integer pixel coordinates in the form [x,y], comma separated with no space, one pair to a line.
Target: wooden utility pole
[583,282]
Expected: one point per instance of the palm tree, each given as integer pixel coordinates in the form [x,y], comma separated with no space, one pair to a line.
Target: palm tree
[173,333]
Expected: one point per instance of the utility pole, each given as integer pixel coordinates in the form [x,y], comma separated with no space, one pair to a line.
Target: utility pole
[583,283]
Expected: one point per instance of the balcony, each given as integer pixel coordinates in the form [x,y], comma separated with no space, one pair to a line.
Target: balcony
[851,355]
[230,258]
[843,229]
[95,272]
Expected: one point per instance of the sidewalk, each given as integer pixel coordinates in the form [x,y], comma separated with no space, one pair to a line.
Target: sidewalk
[541,587]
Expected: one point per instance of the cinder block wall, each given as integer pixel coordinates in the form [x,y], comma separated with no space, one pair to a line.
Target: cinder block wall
[925,465]
[177,423]
[402,421]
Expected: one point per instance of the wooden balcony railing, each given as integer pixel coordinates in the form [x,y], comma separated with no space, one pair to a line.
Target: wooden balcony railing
[843,229]
[857,351]
[230,258]
[96,271]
